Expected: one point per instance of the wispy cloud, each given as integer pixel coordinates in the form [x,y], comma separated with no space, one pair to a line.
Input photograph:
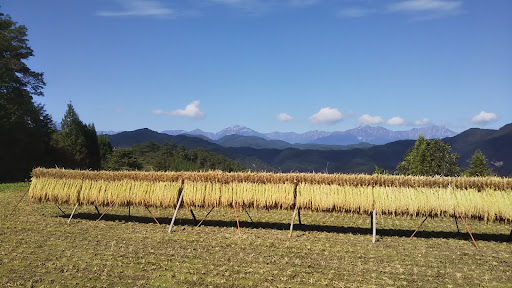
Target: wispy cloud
[367,119]
[326,115]
[422,122]
[191,111]
[354,12]
[484,118]
[425,6]
[283,117]
[138,8]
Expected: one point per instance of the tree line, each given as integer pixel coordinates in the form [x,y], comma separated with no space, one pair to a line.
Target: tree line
[434,158]
[29,137]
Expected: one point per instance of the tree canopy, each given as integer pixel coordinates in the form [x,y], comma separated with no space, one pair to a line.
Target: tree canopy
[478,166]
[25,126]
[429,158]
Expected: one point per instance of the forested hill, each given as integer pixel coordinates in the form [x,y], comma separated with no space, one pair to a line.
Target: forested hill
[493,143]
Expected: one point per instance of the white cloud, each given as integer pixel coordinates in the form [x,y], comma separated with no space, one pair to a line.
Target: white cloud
[354,12]
[395,121]
[327,115]
[366,119]
[484,117]
[191,111]
[138,8]
[422,122]
[284,117]
[425,6]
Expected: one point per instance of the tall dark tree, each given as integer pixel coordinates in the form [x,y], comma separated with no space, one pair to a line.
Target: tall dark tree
[478,166]
[77,143]
[25,127]
[429,158]
[105,149]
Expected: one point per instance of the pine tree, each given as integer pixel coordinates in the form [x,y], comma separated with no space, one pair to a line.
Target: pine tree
[478,166]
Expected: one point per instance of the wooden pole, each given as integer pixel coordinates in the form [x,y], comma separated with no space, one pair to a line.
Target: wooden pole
[193,216]
[467,228]
[152,216]
[180,191]
[29,202]
[296,207]
[418,227]
[112,204]
[293,219]
[248,214]
[374,225]
[97,210]
[61,210]
[72,213]
[236,215]
[300,222]
[205,217]
[457,224]
[19,201]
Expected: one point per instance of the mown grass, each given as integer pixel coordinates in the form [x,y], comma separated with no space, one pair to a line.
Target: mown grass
[330,250]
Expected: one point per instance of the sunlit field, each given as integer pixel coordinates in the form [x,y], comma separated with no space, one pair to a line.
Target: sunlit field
[327,250]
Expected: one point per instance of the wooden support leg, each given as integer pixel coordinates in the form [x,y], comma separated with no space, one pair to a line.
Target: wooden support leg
[300,221]
[63,213]
[236,215]
[248,214]
[467,228]
[97,210]
[177,207]
[374,226]
[293,219]
[205,217]
[457,224]
[418,227]
[152,216]
[29,202]
[193,216]
[112,204]
[72,213]
[19,201]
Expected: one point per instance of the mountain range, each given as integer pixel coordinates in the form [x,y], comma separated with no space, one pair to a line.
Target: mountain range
[368,134]
[257,153]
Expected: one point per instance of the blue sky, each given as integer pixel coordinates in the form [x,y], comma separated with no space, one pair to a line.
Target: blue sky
[289,65]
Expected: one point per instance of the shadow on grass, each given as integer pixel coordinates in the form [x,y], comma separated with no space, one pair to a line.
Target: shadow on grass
[463,235]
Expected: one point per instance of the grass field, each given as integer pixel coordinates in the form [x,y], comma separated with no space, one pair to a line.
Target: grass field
[329,250]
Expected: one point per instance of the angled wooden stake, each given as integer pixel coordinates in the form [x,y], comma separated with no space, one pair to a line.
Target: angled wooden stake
[29,202]
[72,213]
[152,216]
[418,227]
[236,215]
[300,221]
[296,207]
[63,213]
[193,215]
[374,225]
[19,201]
[467,228]
[180,191]
[457,224]
[97,210]
[205,217]
[248,215]
[112,204]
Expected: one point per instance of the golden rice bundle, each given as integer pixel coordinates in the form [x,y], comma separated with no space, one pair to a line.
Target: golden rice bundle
[488,199]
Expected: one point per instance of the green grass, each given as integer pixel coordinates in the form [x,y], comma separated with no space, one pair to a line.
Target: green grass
[330,250]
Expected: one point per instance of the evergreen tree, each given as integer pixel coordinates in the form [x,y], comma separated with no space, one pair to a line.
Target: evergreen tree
[25,127]
[429,158]
[105,148]
[77,143]
[478,166]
